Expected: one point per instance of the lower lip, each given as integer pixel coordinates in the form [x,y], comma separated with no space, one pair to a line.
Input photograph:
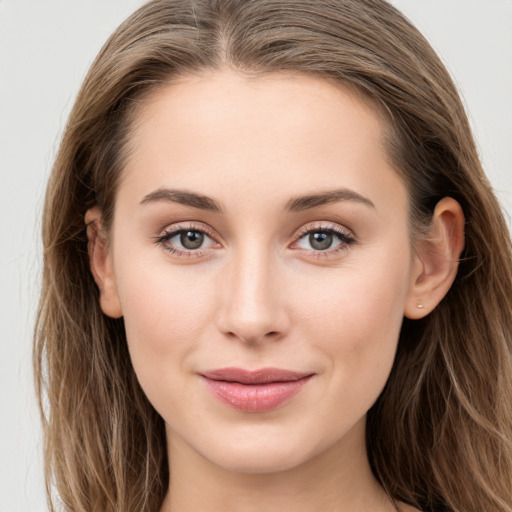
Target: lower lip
[255,397]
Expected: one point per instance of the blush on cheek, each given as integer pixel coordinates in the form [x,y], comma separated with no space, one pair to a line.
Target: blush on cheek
[356,320]
[163,317]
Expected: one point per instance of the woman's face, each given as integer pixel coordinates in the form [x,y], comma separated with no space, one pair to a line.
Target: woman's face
[260,228]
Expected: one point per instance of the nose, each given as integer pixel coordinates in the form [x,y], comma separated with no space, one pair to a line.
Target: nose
[252,303]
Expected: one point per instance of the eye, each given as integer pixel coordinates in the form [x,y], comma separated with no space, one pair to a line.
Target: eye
[186,240]
[320,240]
[323,239]
[189,239]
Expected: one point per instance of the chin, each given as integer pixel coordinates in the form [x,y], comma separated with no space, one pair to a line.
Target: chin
[258,451]
[259,460]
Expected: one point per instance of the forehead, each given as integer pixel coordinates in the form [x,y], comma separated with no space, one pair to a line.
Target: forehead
[275,135]
[284,100]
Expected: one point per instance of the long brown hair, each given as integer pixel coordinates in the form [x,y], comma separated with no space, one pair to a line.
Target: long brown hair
[440,435]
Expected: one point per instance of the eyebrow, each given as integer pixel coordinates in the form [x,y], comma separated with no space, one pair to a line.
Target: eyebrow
[297,204]
[183,197]
[308,202]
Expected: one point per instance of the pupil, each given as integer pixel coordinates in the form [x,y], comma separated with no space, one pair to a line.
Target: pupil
[191,239]
[320,241]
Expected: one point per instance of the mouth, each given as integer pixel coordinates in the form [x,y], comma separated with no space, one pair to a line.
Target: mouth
[255,391]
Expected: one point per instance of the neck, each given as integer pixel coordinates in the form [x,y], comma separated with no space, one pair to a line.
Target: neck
[338,479]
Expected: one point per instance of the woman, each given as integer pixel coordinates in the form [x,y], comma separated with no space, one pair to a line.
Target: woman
[276,277]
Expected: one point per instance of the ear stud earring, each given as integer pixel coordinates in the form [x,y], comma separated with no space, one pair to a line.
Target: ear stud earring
[421,306]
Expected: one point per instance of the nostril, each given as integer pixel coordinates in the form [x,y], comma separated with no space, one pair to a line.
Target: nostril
[253,339]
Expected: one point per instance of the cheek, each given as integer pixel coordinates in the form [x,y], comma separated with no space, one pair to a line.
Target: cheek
[165,312]
[355,318]
[160,303]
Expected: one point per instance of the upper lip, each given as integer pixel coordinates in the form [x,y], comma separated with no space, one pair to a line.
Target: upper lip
[260,376]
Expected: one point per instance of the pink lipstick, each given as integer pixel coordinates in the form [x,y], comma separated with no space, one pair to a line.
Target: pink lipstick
[255,391]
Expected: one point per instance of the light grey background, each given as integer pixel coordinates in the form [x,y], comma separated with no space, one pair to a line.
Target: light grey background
[46,47]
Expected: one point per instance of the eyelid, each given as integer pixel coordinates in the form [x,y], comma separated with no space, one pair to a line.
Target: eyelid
[345,236]
[173,230]
[324,226]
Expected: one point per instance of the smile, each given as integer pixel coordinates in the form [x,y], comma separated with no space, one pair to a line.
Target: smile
[255,391]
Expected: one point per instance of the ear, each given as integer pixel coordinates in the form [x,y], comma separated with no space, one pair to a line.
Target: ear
[100,260]
[436,260]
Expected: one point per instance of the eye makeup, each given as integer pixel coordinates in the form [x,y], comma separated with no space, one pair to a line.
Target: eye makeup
[324,239]
[190,239]
[188,233]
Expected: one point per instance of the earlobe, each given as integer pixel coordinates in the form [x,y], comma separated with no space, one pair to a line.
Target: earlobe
[436,260]
[100,261]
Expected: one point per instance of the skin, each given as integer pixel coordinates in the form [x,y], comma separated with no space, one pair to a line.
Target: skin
[257,293]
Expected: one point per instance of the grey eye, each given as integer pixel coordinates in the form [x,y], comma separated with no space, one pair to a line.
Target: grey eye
[191,239]
[324,239]
[320,240]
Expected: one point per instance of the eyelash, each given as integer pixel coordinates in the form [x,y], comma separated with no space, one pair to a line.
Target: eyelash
[346,239]
[176,230]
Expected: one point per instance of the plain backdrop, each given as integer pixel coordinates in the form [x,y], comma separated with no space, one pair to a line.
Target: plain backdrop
[46,47]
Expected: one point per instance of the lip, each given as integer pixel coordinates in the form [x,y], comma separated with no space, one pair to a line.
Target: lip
[255,390]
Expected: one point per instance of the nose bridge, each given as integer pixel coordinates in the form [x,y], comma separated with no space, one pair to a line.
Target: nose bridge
[251,306]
